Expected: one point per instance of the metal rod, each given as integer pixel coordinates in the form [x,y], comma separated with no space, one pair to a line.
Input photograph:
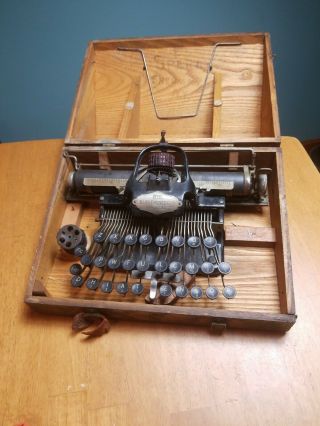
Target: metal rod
[209,69]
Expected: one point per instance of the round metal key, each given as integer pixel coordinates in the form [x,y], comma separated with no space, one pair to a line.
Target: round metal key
[193,242]
[212,292]
[115,238]
[77,281]
[207,268]
[175,267]
[92,283]
[137,289]
[210,242]
[80,251]
[177,241]
[181,291]
[100,261]
[114,263]
[128,264]
[106,286]
[122,288]
[161,240]
[75,269]
[143,265]
[196,292]
[191,268]
[224,268]
[99,237]
[130,239]
[165,290]
[161,266]
[145,239]
[86,259]
[229,292]
[212,260]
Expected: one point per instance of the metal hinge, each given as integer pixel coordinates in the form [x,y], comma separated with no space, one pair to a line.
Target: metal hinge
[218,326]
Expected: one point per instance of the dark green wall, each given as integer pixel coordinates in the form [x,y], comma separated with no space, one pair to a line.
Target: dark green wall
[42,44]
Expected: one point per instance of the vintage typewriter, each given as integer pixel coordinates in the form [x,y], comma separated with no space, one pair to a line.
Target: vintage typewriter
[188,226]
[161,223]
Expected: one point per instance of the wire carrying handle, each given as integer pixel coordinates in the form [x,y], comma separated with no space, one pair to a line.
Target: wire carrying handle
[209,68]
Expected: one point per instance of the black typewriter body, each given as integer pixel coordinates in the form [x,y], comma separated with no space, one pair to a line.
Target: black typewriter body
[162,222]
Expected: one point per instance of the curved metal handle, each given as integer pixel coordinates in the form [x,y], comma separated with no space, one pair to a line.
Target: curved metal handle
[145,67]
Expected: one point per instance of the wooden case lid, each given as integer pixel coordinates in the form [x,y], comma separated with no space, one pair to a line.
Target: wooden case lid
[130,90]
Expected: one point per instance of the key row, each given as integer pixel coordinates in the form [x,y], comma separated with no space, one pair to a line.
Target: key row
[161,266]
[160,241]
[165,290]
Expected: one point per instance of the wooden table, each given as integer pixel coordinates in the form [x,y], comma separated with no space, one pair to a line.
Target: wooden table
[152,374]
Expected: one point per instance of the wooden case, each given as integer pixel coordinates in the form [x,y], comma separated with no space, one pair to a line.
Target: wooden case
[114,116]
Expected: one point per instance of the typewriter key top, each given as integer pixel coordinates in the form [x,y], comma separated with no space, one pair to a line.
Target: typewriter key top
[114,263]
[86,259]
[161,266]
[77,281]
[80,251]
[191,268]
[100,261]
[115,238]
[181,291]
[229,292]
[196,292]
[99,237]
[212,260]
[143,265]
[212,292]
[177,241]
[75,269]
[106,286]
[122,288]
[130,239]
[165,290]
[207,268]
[175,267]
[210,242]
[128,264]
[224,268]
[137,289]
[161,240]
[92,283]
[145,239]
[194,242]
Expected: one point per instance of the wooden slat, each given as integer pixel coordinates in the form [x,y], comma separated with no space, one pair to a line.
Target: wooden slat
[72,214]
[249,236]
[129,127]
[269,108]
[217,105]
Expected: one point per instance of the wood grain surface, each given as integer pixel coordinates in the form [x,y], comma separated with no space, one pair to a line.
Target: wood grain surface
[151,374]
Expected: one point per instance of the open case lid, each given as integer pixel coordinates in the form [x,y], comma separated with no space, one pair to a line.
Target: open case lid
[211,89]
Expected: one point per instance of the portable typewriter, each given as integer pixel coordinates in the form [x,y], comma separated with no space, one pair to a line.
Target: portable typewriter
[188,226]
[162,222]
